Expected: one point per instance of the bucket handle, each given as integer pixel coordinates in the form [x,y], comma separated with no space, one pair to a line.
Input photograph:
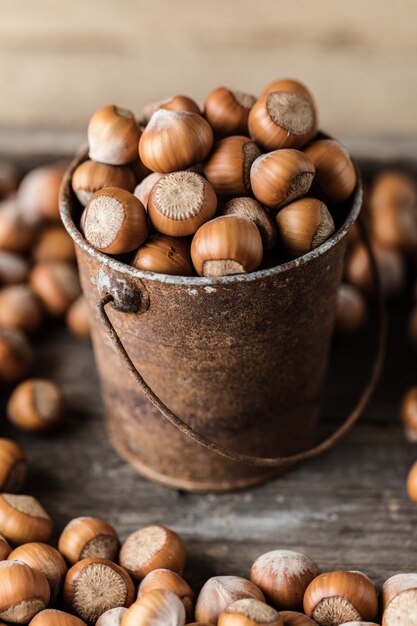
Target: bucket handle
[257,461]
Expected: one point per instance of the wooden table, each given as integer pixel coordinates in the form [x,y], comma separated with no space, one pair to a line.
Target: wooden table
[348,509]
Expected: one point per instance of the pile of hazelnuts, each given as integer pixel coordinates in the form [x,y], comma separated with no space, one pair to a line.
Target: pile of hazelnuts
[242,185]
[93,578]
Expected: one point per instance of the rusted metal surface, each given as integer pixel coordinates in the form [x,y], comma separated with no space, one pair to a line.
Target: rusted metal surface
[241,359]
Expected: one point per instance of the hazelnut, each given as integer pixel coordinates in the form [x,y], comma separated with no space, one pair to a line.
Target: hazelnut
[85,537]
[227,245]
[304,225]
[249,612]
[13,268]
[166,255]
[396,227]
[288,84]
[175,103]
[115,221]
[56,284]
[219,592]
[337,597]
[20,308]
[280,177]
[393,188]
[166,579]
[13,466]
[412,483]
[335,177]
[53,617]
[113,136]
[36,405]
[228,166]
[292,618]
[93,586]
[283,576]
[159,607]
[16,355]
[251,208]
[45,559]
[352,310]
[180,202]
[175,140]
[54,244]
[409,414]
[15,234]
[23,592]
[143,190]
[38,194]
[23,519]
[112,617]
[399,600]
[391,268]
[150,548]
[227,111]
[283,119]
[78,318]
[90,177]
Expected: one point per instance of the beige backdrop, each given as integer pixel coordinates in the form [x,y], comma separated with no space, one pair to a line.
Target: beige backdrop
[59,60]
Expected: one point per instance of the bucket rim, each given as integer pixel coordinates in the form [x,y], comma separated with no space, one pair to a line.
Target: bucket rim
[68,198]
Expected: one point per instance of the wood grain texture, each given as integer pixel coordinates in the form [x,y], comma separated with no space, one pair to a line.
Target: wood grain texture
[57,65]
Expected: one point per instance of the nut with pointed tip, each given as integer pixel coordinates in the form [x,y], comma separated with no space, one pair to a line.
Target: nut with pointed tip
[54,244]
[408,413]
[249,612]
[293,618]
[20,308]
[159,607]
[85,537]
[36,405]
[335,177]
[227,111]
[38,194]
[219,592]
[288,84]
[150,548]
[93,586]
[14,268]
[175,103]
[304,225]
[112,617]
[281,176]
[412,483]
[115,221]
[165,255]
[16,355]
[78,318]
[337,597]
[180,203]
[15,234]
[228,166]
[251,208]
[45,559]
[23,519]
[175,140]
[394,188]
[113,136]
[391,268]
[351,311]
[56,284]
[23,592]
[144,188]
[90,177]
[283,119]
[166,579]
[230,244]
[54,617]
[396,227]
[13,466]
[399,600]
[283,576]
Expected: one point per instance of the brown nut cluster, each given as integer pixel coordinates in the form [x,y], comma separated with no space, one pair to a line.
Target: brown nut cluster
[193,163]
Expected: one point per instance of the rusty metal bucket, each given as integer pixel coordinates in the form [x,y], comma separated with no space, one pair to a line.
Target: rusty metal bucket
[212,385]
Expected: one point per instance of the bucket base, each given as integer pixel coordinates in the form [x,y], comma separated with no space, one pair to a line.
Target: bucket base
[186,485]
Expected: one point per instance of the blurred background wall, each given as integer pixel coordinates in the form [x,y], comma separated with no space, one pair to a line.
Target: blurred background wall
[61,60]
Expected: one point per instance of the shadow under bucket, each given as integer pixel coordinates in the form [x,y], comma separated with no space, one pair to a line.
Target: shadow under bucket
[226,375]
